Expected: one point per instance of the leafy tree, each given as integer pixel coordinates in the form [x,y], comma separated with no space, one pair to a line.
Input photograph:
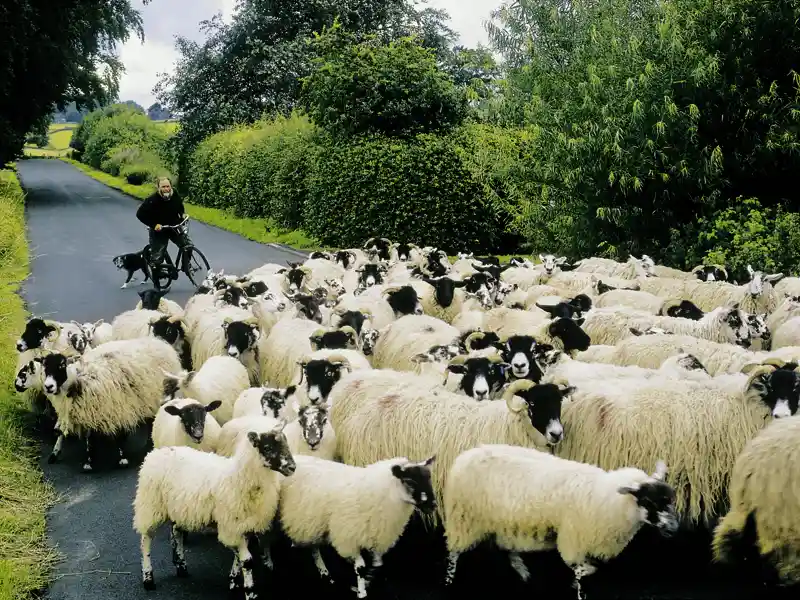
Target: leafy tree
[369,87]
[54,53]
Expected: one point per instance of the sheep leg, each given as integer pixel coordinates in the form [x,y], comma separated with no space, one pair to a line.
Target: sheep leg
[581,570]
[121,439]
[246,560]
[265,541]
[519,565]
[176,539]
[321,566]
[452,563]
[55,453]
[361,579]
[236,569]
[147,567]
[87,464]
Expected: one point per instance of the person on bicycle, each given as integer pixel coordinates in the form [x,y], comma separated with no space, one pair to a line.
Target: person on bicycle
[164,207]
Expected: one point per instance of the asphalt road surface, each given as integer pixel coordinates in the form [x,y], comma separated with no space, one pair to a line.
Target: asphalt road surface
[75,226]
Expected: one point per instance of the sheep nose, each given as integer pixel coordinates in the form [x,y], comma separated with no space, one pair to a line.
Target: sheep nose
[481,395]
[20,347]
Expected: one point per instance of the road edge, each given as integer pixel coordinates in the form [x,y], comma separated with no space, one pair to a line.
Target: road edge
[27,557]
[212,217]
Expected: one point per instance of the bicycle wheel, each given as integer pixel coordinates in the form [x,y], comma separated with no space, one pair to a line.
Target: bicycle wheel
[164,274]
[195,266]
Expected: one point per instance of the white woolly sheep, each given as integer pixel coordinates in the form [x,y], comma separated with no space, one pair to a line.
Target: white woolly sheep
[723,325]
[311,433]
[765,500]
[355,509]
[632,269]
[186,422]
[699,427]
[530,501]
[788,309]
[525,299]
[111,390]
[411,420]
[193,490]
[287,343]
[633,299]
[524,278]
[573,282]
[321,270]
[787,334]
[321,370]
[220,378]
[133,324]
[265,401]
[408,336]
[96,333]
[65,338]
[788,286]
[212,338]
[154,300]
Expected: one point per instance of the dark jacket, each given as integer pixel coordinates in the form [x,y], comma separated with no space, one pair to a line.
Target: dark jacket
[157,211]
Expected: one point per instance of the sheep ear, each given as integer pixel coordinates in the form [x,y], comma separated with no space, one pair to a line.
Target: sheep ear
[252,437]
[626,489]
[173,410]
[421,358]
[189,376]
[458,369]
[567,390]
[296,406]
[213,405]
[289,391]
[661,470]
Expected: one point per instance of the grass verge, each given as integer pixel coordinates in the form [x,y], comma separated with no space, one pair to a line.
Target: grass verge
[25,557]
[259,230]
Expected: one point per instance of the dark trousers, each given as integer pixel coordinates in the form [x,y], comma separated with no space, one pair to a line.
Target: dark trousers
[159,241]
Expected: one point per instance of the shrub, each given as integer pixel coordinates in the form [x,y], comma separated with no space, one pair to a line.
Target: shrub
[256,171]
[394,89]
[416,190]
[122,156]
[746,233]
[84,131]
[129,129]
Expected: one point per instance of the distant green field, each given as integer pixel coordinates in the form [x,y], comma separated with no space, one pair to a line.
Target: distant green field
[60,135]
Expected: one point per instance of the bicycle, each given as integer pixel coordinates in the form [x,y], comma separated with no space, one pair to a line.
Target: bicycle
[192,262]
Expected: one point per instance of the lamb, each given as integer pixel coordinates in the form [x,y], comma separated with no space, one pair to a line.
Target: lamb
[402,339]
[411,420]
[699,426]
[264,401]
[111,390]
[311,434]
[66,338]
[186,422]
[193,490]
[356,509]
[723,325]
[588,514]
[97,333]
[765,500]
[220,378]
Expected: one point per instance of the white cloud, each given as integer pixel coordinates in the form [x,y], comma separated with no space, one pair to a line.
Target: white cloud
[164,19]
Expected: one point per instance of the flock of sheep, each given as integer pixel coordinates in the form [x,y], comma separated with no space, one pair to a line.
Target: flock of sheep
[521,403]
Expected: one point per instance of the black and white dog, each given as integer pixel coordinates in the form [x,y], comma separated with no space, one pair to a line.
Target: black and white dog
[132,262]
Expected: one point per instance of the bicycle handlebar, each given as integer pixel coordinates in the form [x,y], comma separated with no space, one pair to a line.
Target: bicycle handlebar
[181,224]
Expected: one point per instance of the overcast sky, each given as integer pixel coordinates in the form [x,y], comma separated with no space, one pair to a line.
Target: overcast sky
[163,19]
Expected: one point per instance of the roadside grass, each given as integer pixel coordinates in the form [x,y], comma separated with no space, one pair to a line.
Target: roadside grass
[25,557]
[258,230]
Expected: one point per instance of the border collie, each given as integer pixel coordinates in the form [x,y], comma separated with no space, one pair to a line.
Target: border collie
[132,262]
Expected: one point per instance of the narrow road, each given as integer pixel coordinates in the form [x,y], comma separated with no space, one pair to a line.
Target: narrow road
[75,226]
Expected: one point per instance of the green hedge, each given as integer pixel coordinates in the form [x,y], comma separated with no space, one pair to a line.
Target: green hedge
[417,190]
[130,130]
[257,171]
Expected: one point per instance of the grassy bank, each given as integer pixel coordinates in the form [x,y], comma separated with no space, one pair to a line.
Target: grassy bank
[259,230]
[25,558]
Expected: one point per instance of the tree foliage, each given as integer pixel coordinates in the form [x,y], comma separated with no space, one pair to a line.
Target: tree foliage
[54,53]
[370,87]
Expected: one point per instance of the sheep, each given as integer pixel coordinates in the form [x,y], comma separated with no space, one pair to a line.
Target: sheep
[669,272]
[154,300]
[264,401]
[567,370]
[500,320]
[192,490]
[351,258]
[133,324]
[723,325]
[442,297]
[757,296]
[435,263]
[563,334]
[111,390]
[365,276]
[788,309]
[408,336]
[29,381]
[709,273]
[587,513]
[378,248]
[699,427]
[322,369]
[482,377]
[212,335]
[524,278]
[683,309]
[588,283]
[411,420]
[220,378]
[311,434]
[632,269]
[355,509]
[787,334]
[634,299]
[550,263]
[66,338]
[285,345]
[186,422]
[788,286]
[96,333]
[765,500]
[524,299]
[322,270]
[650,351]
